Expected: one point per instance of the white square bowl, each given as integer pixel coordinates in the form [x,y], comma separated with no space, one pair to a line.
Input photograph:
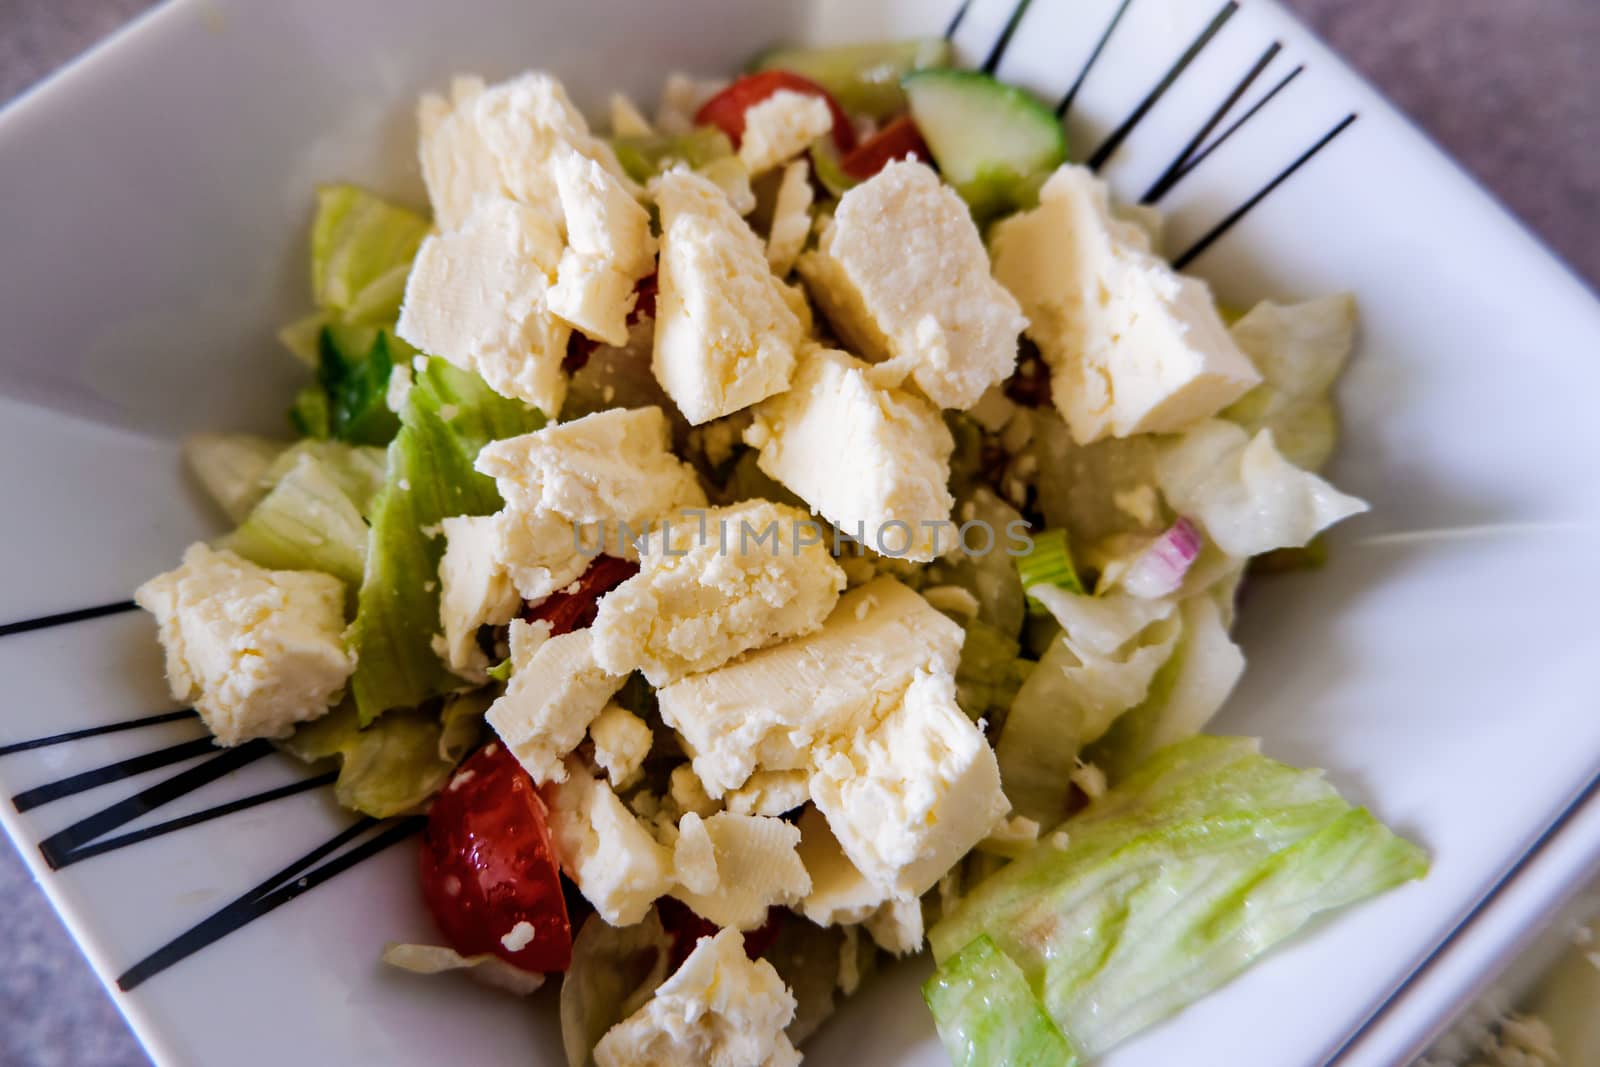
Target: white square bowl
[153,205]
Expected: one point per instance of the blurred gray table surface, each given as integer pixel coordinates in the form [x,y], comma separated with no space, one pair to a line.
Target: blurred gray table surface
[1509,87]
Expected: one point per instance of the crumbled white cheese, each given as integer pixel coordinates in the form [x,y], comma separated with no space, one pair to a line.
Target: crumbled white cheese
[726,335]
[609,248]
[719,1009]
[791,218]
[732,868]
[626,118]
[781,127]
[911,795]
[475,591]
[874,461]
[621,742]
[550,701]
[1133,346]
[768,708]
[255,650]
[617,864]
[902,275]
[715,584]
[478,297]
[770,793]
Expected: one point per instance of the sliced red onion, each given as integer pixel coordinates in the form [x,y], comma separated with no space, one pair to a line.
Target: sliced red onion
[1159,570]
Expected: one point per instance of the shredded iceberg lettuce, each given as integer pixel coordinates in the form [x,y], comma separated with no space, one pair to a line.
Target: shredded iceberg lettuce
[614,971]
[1069,701]
[1244,493]
[447,417]
[1185,694]
[360,245]
[307,522]
[386,768]
[1300,350]
[987,1014]
[1165,888]
[232,468]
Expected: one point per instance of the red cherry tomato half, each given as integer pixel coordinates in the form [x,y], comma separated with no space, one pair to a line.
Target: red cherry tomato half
[686,928]
[899,139]
[726,110]
[487,865]
[566,612]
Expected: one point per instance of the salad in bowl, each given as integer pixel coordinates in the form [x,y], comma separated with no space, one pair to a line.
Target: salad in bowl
[796,529]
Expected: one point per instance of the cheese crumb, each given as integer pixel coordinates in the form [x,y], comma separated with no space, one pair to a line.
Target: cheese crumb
[519,937]
[791,218]
[617,864]
[781,127]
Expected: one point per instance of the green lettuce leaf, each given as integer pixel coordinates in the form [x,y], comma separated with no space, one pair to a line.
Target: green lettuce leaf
[614,971]
[447,417]
[1185,693]
[987,1015]
[232,468]
[1171,884]
[1069,700]
[359,244]
[354,375]
[306,523]
[386,768]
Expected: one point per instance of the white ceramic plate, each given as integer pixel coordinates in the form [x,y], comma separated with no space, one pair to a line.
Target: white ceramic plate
[153,203]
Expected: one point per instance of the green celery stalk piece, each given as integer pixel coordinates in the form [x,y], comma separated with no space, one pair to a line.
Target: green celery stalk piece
[1172,883]
[987,1015]
[448,416]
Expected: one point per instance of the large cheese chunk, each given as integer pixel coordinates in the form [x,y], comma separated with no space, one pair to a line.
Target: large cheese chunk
[1133,346]
[875,462]
[768,708]
[609,248]
[923,298]
[910,795]
[732,868]
[255,650]
[719,1009]
[478,297]
[550,701]
[714,584]
[578,488]
[487,143]
[726,334]
[781,127]
[474,591]
[616,862]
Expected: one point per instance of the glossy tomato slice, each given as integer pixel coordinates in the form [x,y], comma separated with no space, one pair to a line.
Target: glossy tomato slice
[899,139]
[566,612]
[726,110]
[487,865]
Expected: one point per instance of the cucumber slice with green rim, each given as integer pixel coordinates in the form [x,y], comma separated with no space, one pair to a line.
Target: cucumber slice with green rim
[993,142]
[864,78]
